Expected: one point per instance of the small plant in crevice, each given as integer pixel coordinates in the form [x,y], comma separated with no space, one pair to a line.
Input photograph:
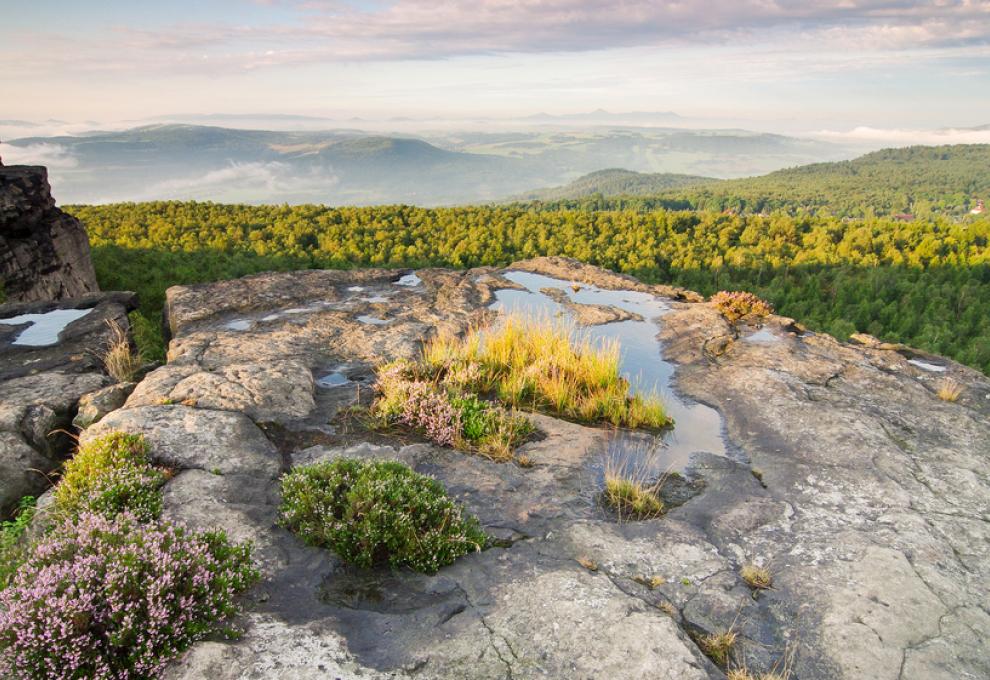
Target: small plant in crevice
[718,646]
[378,513]
[628,487]
[108,475]
[115,597]
[949,390]
[756,577]
[13,547]
[740,305]
[120,360]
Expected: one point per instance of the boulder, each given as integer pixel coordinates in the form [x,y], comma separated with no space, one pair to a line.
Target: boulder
[44,252]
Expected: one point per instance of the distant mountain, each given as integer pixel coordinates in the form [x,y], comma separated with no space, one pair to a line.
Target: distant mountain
[912,180]
[616,182]
[339,166]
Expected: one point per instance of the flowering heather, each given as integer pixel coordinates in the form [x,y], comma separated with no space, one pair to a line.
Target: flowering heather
[430,410]
[114,598]
[109,475]
[740,304]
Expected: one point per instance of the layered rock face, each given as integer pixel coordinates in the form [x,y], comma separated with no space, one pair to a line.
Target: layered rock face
[865,495]
[50,357]
[44,253]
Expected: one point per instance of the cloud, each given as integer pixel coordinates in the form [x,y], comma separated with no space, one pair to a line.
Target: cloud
[54,156]
[245,182]
[903,137]
[313,31]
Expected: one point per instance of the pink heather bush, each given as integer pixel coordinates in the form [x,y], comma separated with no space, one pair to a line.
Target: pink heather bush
[430,410]
[740,304]
[114,598]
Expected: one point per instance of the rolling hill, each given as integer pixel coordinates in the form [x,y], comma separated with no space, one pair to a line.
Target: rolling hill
[913,180]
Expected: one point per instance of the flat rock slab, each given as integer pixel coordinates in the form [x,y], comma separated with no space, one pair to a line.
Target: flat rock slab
[865,496]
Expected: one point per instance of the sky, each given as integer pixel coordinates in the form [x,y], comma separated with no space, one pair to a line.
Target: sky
[839,67]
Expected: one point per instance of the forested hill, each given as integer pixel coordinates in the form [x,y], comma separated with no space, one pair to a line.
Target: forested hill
[925,283]
[918,180]
[617,182]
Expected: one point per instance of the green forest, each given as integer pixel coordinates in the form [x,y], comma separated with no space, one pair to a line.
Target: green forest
[925,283]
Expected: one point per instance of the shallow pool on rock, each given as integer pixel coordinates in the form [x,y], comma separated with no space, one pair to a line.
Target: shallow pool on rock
[698,428]
[45,328]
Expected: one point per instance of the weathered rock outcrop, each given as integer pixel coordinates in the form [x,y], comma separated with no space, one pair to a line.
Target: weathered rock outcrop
[41,382]
[44,253]
[866,496]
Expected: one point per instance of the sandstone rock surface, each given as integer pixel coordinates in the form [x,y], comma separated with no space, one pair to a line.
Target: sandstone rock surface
[866,496]
[44,253]
[41,385]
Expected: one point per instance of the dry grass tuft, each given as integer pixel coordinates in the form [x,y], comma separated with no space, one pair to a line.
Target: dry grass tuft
[122,363]
[949,390]
[588,563]
[629,487]
[757,578]
[719,646]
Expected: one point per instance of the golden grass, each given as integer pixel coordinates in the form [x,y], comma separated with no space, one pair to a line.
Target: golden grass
[121,362]
[757,578]
[949,390]
[544,365]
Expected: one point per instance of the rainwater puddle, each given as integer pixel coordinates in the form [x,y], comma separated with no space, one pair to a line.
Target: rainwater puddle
[409,280]
[925,366]
[764,336]
[697,427]
[45,328]
[335,379]
[375,321]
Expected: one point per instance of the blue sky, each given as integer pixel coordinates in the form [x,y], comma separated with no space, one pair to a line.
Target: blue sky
[772,64]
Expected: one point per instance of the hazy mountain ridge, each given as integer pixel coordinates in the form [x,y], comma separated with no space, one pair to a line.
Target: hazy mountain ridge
[345,166]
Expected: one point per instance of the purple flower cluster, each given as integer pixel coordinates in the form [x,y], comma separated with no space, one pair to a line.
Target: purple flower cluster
[115,598]
[430,410]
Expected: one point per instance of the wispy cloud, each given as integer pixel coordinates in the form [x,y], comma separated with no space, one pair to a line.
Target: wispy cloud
[424,29]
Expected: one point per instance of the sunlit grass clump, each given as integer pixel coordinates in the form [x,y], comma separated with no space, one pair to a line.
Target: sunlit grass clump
[628,491]
[544,366]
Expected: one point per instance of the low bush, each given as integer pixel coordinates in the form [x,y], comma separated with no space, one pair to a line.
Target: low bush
[378,512]
[107,597]
[741,305]
[13,549]
[109,475]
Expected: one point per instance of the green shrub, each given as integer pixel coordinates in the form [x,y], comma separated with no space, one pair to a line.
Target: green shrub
[13,548]
[378,512]
[109,475]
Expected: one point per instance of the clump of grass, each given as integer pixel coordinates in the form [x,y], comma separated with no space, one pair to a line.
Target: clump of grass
[739,305]
[120,360]
[13,548]
[949,390]
[718,646]
[545,366]
[109,475]
[378,512]
[756,577]
[628,491]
